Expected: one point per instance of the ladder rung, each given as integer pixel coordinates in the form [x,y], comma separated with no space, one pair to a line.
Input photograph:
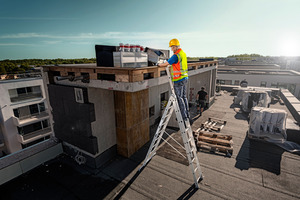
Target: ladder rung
[195,169]
[167,115]
[193,159]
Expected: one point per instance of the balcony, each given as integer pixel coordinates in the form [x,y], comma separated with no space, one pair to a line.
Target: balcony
[26,96]
[29,119]
[30,137]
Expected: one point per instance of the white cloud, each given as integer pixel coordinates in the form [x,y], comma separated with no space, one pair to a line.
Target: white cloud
[52,41]
[13,44]
[106,35]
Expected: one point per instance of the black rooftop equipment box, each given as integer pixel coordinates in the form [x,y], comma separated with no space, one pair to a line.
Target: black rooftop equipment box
[104,55]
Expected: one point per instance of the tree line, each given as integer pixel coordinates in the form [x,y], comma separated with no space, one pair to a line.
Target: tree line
[25,65]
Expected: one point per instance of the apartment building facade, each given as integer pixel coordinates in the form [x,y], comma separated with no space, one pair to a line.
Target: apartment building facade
[24,113]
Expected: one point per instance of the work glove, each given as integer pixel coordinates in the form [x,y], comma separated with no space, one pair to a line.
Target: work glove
[160,62]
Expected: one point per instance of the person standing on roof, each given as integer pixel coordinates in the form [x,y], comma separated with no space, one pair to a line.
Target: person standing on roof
[244,83]
[179,72]
[201,100]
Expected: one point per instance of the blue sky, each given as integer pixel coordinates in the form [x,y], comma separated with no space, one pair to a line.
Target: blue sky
[71,28]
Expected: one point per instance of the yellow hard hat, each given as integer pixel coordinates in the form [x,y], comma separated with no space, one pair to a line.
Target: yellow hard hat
[174,42]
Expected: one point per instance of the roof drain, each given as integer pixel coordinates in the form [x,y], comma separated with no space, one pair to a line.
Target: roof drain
[79,158]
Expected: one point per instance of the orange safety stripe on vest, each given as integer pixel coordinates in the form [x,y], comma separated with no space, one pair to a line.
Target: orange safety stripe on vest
[177,68]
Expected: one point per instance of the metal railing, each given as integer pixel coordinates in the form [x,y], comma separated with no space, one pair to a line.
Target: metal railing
[22,97]
[21,75]
[35,115]
[34,134]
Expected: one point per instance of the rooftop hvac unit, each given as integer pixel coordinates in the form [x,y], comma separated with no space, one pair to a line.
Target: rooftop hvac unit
[238,98]
[130,59]
[267,123]
[254,98]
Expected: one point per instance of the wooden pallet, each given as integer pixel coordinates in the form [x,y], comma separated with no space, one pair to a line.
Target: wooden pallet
[215,143]
[213,124]
[121,74]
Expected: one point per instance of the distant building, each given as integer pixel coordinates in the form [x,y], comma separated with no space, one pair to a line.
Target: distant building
[286,79]
[99,112]
[24,113]
[283,62]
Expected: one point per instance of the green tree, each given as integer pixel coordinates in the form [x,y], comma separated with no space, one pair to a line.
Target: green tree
[2,70]
[25,66]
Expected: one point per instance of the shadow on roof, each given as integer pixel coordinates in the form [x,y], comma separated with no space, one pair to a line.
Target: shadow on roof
[257,154]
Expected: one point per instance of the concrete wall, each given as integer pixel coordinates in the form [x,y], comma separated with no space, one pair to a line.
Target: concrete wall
[9,130]
[104,128]
[291,103]
[196,82]
[28,163]
[255,80]
[155,100]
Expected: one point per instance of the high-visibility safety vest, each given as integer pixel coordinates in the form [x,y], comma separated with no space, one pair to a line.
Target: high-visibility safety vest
[179,70]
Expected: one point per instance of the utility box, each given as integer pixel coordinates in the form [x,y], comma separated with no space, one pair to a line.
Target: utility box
[130,59]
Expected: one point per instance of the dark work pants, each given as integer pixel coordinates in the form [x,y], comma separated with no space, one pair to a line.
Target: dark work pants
[180,91]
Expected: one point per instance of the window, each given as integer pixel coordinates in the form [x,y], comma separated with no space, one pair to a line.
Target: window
[45,123]
[108,77]
[35,142]
[151,111]
[263,84]
[33,127]
[42,107]
[273,85]
[34,109]
[16,112]
[282,85]
[28,111]
[21,91]
[71,73]
[221,82]
[228,82]
[164,96]
[236,82]
[21,94]
[292,88]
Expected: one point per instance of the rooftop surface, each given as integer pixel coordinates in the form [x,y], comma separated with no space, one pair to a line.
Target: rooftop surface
[256,170]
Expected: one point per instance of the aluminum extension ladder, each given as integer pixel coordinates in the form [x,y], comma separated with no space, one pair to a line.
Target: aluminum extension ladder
[186,133]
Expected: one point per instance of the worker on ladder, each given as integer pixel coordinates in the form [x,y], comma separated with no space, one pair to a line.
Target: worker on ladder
[179,73]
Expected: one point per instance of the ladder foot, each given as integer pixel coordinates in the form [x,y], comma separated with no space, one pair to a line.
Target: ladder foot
[200,179]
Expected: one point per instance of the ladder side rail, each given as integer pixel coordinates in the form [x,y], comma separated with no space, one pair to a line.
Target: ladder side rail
[162,128]
[160,131]
[188,148]
[193,146]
